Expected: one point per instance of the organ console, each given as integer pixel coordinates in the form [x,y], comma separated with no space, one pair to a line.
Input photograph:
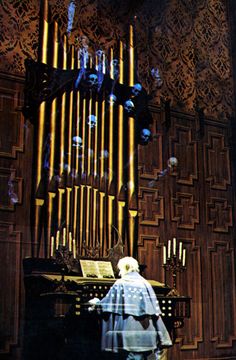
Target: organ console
[57,308]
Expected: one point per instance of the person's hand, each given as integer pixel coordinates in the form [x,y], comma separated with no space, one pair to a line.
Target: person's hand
[93,302]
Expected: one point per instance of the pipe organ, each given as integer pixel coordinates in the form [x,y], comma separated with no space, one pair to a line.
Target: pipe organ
[85,142]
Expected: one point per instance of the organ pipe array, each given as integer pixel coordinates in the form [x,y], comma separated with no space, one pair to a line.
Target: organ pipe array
[85,174]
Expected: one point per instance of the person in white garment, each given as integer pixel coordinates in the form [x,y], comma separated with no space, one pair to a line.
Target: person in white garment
[131,317]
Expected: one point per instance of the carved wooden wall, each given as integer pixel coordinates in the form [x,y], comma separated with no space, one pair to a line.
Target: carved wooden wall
[15,182]
[194,204]
[189,43]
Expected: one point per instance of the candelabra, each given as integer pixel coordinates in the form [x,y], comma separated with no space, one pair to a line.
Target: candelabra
[63,251]
[174,260]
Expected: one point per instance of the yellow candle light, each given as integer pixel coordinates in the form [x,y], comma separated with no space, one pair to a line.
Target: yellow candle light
[184,257]
[52,246]
[70,241]
[180,251]
[164,255]
[169,249]
[74,249]
[64,237]
[57,239]
[174,246]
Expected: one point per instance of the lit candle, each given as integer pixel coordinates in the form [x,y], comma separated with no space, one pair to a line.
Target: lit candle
[180,251]
[74,249]
[64,237]
[169,249]
[174,246]
[164,255]
[52,246]
[70,241]
[184,257]
[57,239]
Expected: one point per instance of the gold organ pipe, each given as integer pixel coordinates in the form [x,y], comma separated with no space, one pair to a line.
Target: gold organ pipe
[44,57]
[87,214]
[131,134]
[41,121]
[95,191]
[110,219]
[132,220]
[60,196]
[75,211]
[51,196]
[70,115]
[77,149]
[110,145]
[131,56]
[83,136]
[54,104]
[62,133]
[101,220]
[102,169]
[95,169]
[120,179]
[131,121]
[62,136]
[68,201]
[42,109]
[63,110]
[81,217]
[89,148]
[121,205]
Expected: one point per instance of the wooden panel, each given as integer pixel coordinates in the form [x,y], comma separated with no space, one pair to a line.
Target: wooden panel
[10,275]
[222,295]
[185,210]
[217,165]
[184,149]
[11,122]
[151,206]
[219,214]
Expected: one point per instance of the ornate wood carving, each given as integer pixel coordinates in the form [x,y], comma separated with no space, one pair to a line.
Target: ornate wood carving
[217,162]
[188,42]
[219,214]
[222,294]
[185,150]
[11,124]
[10,275]
[185,210]
[151,206]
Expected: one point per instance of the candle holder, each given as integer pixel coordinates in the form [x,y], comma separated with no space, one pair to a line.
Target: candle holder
[175,262]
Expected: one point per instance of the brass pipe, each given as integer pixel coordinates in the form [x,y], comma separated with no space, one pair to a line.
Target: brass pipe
[102,160]
[95,235]
[88,205]
[110,219]
[101,220]
[81,223]
[95,163]
[75,211]
[132,224]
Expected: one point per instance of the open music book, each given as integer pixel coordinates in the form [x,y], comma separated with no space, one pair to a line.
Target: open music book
[97,269]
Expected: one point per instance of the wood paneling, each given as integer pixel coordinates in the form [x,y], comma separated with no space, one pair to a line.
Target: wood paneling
[10,279]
